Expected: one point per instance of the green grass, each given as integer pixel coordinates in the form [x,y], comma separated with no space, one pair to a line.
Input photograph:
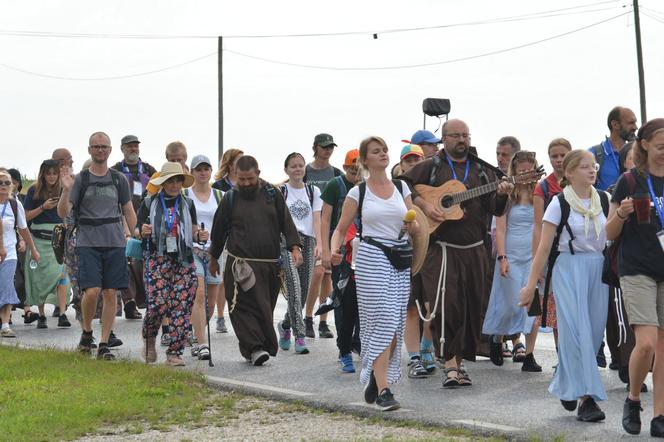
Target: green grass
[53,395]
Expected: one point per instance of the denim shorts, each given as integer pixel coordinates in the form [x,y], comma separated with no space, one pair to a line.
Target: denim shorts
[103,267]
[199,255]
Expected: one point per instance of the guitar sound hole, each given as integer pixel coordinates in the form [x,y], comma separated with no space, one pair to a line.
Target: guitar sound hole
[447,201]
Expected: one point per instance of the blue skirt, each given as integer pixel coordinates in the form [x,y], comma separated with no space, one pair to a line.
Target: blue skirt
[582,305]
[7,289]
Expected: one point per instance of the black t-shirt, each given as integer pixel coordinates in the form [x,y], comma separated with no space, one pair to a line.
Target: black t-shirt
[640,252]
[49,216]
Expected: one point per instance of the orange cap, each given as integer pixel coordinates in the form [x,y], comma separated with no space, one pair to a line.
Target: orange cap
[351,157]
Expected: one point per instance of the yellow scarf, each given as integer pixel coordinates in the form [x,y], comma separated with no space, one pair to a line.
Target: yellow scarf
[590,213]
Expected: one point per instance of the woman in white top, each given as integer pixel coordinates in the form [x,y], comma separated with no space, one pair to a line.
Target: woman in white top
[382,289]
[304,204]
[8,256]
[581,297]
[206,199]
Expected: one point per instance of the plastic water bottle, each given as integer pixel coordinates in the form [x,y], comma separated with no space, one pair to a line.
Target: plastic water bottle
[33,264]
[355,244]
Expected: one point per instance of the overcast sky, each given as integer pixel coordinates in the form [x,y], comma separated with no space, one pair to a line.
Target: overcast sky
[561,87]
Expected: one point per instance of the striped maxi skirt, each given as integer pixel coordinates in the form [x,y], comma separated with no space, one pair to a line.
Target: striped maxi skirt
[382,301]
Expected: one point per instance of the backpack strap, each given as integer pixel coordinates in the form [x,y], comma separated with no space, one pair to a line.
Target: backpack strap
[544,185]
[337,172]
[434,168]
[217,195]
[85,183]
[14,206]
[604,199]
[284,190]
[565,210]
[363,190]
[309,188]
[598,151]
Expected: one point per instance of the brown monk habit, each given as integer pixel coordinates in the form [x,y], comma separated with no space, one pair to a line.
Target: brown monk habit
[466,283]
[253,231]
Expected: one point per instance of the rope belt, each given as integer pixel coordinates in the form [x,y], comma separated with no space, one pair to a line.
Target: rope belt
[237,261]
[440,288]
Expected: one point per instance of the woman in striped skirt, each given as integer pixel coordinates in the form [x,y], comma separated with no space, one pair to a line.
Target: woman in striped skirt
[382,289]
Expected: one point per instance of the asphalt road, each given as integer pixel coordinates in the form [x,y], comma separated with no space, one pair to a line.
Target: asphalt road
[502,401]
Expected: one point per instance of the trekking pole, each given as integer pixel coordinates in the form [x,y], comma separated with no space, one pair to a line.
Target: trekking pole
[205,282]
[146,245]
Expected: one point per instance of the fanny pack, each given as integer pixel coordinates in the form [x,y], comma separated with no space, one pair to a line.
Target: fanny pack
[400,255]
[42,234]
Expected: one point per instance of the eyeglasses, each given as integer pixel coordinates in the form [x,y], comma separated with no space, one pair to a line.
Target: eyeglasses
[100,146]
[594,166]
[457,135]
[5,183]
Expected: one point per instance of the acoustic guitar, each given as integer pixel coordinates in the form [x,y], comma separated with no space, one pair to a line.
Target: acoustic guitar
[448,197]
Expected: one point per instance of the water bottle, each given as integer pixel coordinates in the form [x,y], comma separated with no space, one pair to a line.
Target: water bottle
[33,264]
[355,244]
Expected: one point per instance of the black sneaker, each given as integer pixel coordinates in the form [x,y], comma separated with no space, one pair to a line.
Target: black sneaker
[530,364]
[324,330]
[589,411]
[63,321]
[114,341]
[56,312]
[495,351]
[601,358]
[657,426]
[131,312]
[41,322]
[371,390]
[386,401]
[309,327]
[631,420]
[568,405]
[104,353]
[86,343]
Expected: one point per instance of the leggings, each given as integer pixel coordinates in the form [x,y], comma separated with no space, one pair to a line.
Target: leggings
[296,282]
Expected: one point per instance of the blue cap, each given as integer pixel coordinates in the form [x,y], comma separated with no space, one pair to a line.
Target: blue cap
[424,136]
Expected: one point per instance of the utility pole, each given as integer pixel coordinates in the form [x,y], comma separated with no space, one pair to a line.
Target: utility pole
[639,60]
[220,80]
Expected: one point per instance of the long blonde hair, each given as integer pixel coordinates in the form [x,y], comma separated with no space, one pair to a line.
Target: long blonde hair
[227,161]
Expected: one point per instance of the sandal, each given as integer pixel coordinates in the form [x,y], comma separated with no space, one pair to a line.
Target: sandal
[464,379]
[450,381]
[507,353]
[30,317]
[519,353]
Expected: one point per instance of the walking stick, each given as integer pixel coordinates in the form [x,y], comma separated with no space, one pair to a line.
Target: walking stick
[205,282]
[146,244]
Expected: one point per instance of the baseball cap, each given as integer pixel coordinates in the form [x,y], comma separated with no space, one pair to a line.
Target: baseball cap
[411,149]
[424,136]
[198,160]
[324,140]
[129,139]
[351,157]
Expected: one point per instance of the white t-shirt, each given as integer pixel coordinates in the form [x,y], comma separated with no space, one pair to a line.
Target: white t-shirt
[581,243]
[204,211]
[8,233]
[297,201]
[381,218]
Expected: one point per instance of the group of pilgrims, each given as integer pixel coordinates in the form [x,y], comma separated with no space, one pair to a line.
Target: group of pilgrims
[580,252]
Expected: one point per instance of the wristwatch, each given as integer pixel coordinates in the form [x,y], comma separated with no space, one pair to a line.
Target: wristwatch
[501,257]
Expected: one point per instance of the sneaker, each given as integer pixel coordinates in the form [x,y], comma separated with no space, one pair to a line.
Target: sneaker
[284,336]
[86,343]
[114,341]
[346,362]
[221,325]
[300,346]
[7,333]
[30,317]
[569,405]
[495,351]
[165,340]
[309,327]
[589,411]
[149,350]
[386,401]
[194,350]
[631,419]
[104,353]
[428,362]
[130,310]
[174,361]
[371,390]
[56,312]
[530,364]
[657,426]
[259,357]
[324,331]
[416,369]
[41,322]
[63,321]
[204,352]
[601,358]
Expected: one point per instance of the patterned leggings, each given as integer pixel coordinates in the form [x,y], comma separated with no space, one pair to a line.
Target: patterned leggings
[296,281]
[170,289]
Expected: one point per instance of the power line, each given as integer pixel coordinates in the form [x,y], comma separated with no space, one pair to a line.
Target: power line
[419,65]
[117,77]
[530,16]
[653,17]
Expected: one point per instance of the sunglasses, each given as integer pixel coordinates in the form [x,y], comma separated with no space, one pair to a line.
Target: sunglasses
[5,183]
[328,147]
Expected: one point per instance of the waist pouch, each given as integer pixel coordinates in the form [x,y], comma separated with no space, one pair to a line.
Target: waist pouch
[43,234]
[400,255]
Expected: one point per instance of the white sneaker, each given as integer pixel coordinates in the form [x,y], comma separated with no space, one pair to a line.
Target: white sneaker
[259,357]
[7,333]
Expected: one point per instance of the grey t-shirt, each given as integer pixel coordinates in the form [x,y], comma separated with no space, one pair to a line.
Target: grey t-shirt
[320,177]
[101,201]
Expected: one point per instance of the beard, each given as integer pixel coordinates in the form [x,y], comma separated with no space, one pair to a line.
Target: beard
[248,192]
[626,136]
[132,158]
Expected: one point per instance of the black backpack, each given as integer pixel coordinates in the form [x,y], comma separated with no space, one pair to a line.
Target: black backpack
[565,210]
[85,183]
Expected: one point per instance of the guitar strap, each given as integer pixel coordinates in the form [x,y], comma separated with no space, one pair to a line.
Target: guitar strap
[480,167]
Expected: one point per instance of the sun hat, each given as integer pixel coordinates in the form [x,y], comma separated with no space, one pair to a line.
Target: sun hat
[169,170]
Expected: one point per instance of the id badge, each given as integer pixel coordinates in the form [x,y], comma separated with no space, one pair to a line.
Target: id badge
[138,188]
[171,244]
[660,237]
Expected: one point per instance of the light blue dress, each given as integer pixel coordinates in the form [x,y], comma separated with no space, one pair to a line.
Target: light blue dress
[503,316]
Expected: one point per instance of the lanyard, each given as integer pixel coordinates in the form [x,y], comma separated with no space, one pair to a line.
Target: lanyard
[658,207]
[125,169]
[611,153]
[169,218]
[465,176]
[4,207]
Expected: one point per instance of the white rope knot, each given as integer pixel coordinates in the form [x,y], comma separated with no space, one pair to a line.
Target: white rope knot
[237,260]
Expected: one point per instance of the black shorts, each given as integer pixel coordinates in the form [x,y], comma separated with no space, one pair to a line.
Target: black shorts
[103,267]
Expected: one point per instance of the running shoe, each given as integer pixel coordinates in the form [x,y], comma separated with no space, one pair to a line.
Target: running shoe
[300,346]
[284,336]
[346,362]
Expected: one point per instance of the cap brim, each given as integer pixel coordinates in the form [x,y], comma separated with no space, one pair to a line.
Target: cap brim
[193,166]
[432,140]
[412,154]
[327,143]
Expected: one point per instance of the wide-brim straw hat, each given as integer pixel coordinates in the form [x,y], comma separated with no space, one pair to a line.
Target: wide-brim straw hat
[169,170]
[420,241]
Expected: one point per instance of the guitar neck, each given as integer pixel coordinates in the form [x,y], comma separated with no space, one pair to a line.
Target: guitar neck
[460,197]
